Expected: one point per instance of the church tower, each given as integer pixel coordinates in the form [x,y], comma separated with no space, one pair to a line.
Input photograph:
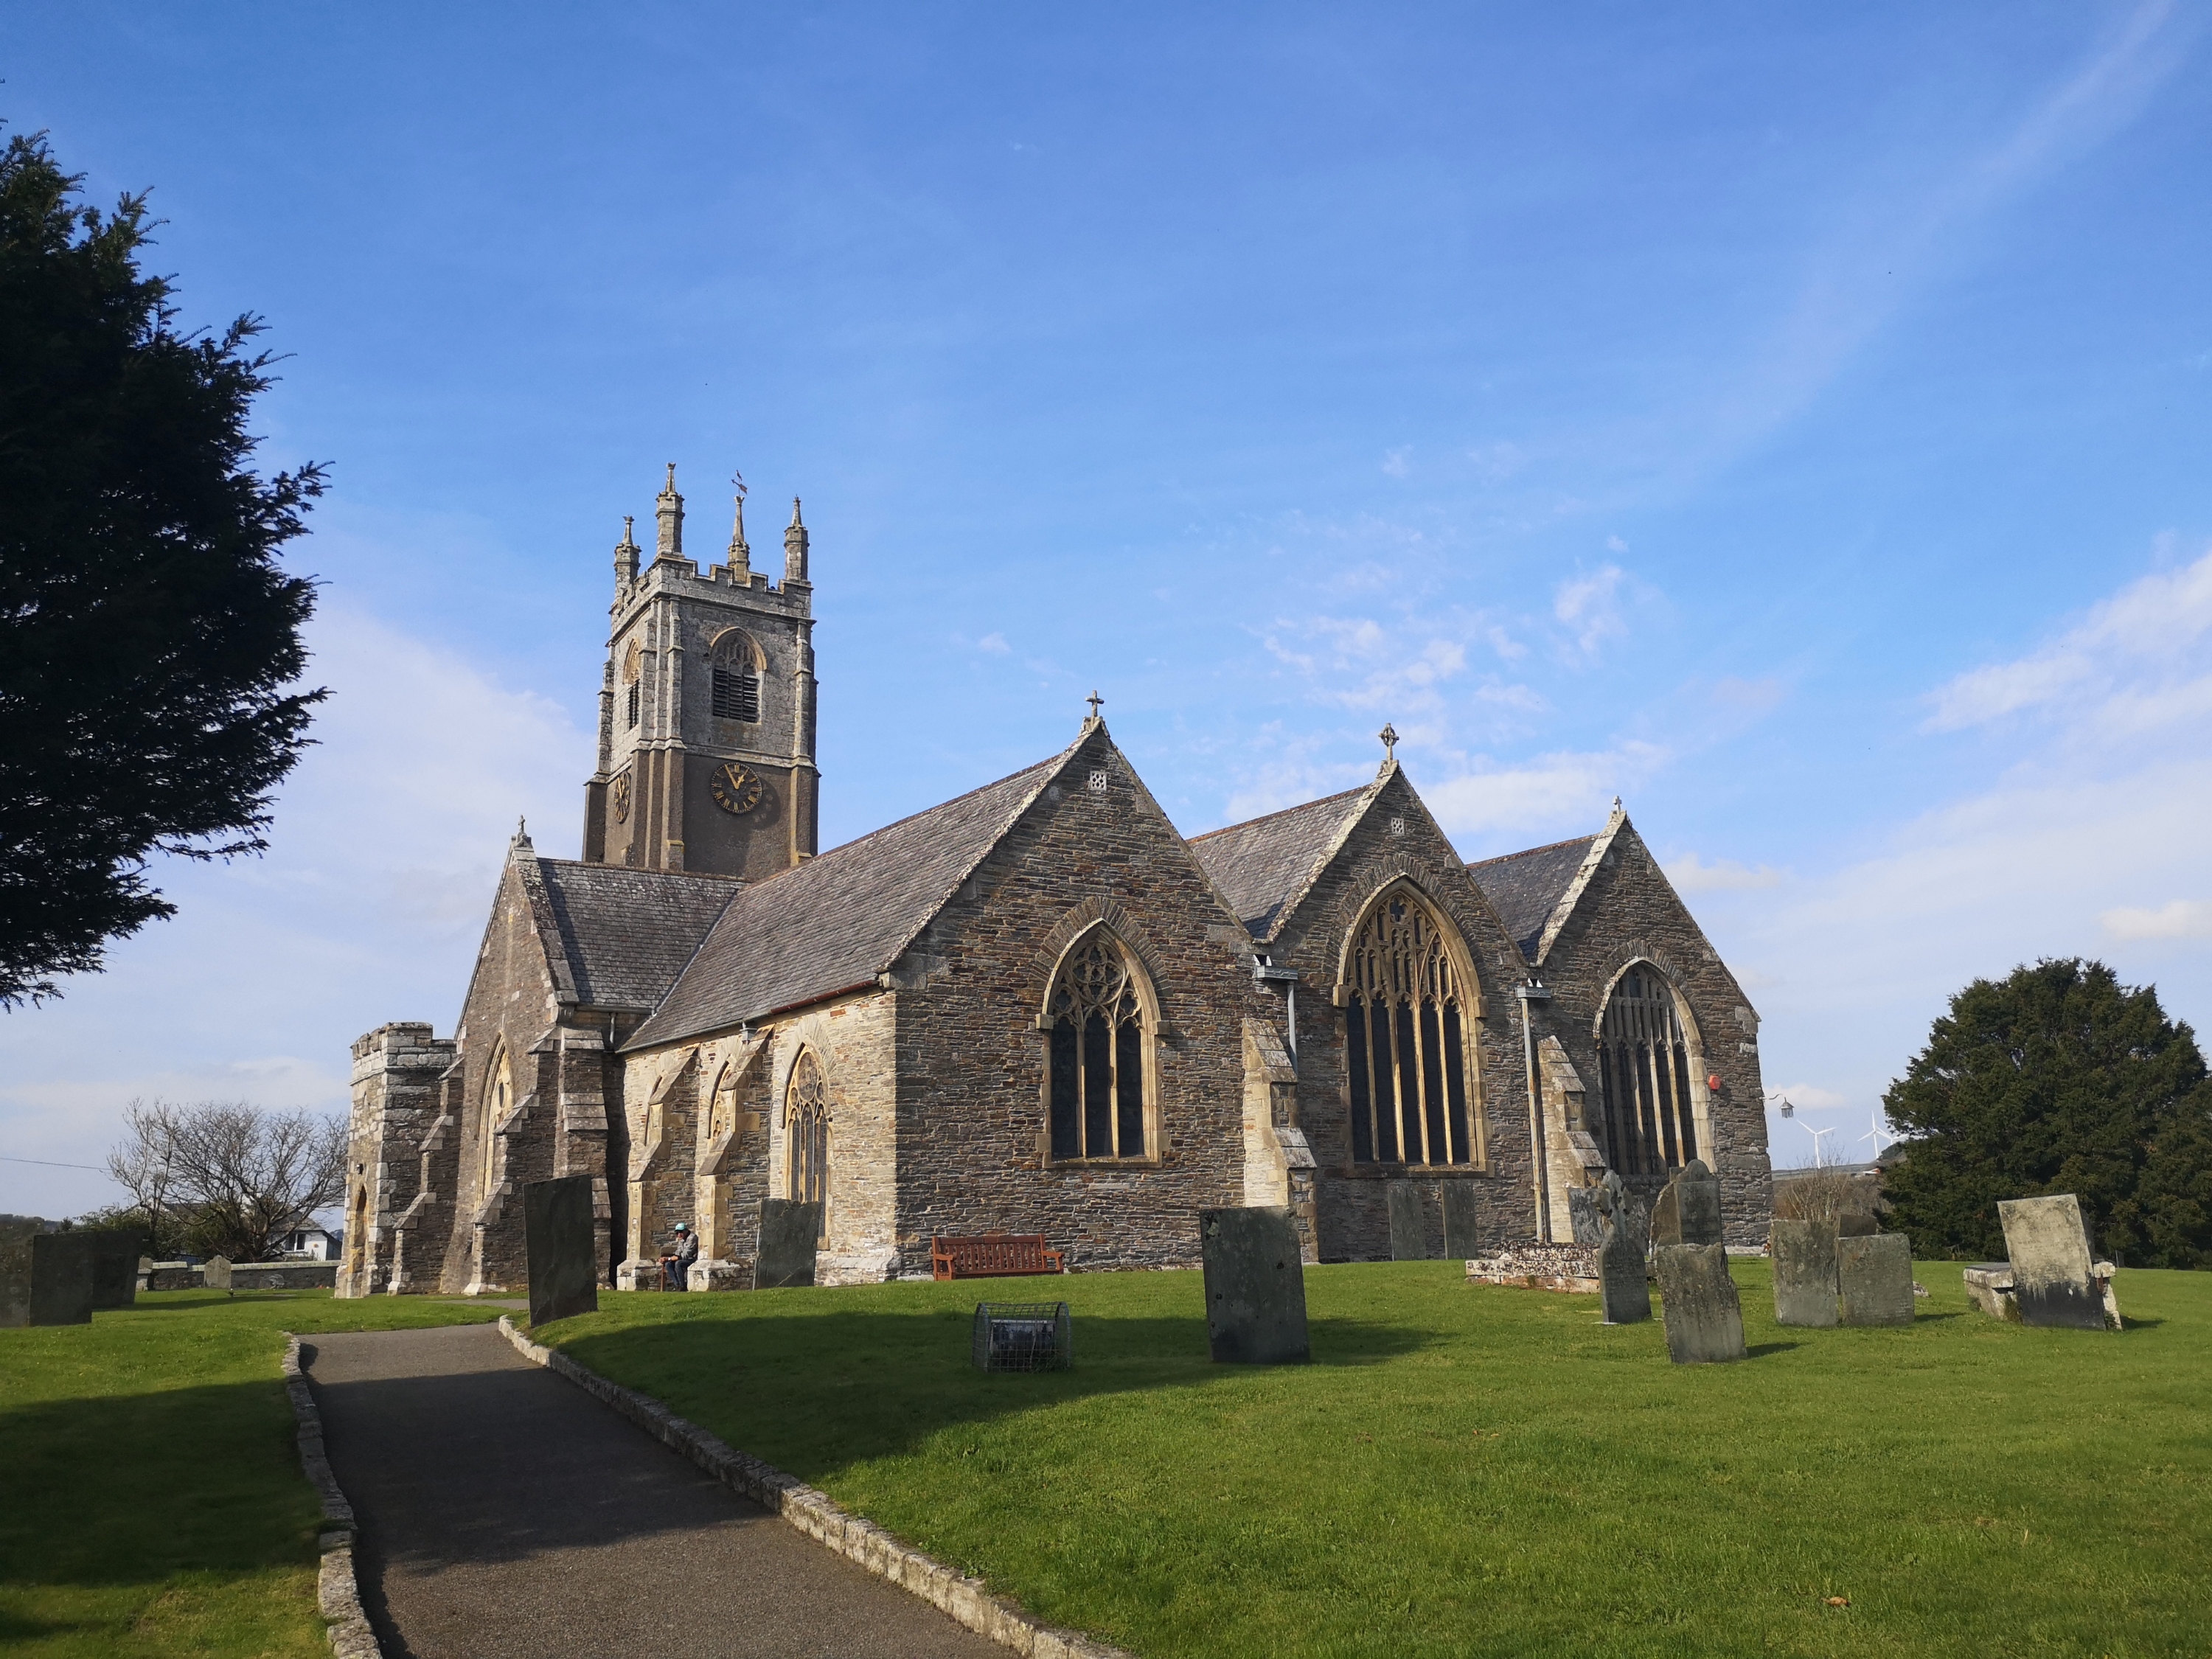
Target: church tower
[706,710]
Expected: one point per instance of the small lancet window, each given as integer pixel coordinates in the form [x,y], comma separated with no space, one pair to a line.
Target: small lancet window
[737,678]
[632,664]
[806,1116]
[1096,1047]
[1404,1037]
[1643,1072]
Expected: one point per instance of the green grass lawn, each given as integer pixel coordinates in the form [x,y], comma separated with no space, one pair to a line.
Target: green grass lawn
[1476,1469]
[151,1501]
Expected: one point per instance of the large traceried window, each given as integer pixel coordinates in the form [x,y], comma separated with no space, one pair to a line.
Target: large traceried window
[1644,1070]
[806,1121]
[736,674]
[1096,1045]
[1406,1035]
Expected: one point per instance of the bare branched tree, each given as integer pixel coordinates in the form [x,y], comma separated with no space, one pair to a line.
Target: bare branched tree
[234,1177]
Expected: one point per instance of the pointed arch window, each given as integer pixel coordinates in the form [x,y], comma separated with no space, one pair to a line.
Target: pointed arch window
[736,674]
[1645,1071]
[806,1120]
[1405,1031]
[1098,1044]
[499,1100]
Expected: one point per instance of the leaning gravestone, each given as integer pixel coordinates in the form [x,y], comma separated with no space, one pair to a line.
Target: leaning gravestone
[1256,1287]
[1461,1225]
[61,1277]
[16,1237]
[1804,1272]
[1874,1278]
[115,1268]
[785,1254]
[216,1274]
[1409,1228]
[1621,1287]
[562,1255]
[1705,1320]
[2054,1278]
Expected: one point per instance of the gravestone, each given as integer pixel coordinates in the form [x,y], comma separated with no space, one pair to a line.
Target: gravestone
[1621,1287]
[1256,1288]
[1857,1224]
[785,1255]
[1804,1272]
[1705,1320]
[561,1253]
[2054,1277]
[216,1274]
[16,1237]
[115,1268]
[1585,1220]
[1409,1228]
[1689,1209]
[1873,1279]
[1461,1229]
[61,1277]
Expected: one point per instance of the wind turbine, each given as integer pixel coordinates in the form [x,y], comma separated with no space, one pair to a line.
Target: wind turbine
[1790,1110]
[1876,1133]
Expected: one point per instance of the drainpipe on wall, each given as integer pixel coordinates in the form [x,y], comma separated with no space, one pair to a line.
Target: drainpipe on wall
[1266,972]
[1535,991]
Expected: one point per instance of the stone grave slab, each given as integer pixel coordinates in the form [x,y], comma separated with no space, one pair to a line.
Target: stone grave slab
[1696,1192]
[1255,1286]
[785,1255]
[561,1253]
[215,1272]
[1626,1295]
[1989,1285]
[15,1238]
[1873,1279]
[115,1268]
[1697,1296]
[61,1277]
[1584,1217]
[1461,1227]
[1409,1228]
[1804,1274]
[1857,1224]
[2054,1277]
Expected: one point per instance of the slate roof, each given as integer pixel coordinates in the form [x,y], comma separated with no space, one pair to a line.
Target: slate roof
[1524,887]
[835,922]
[627,933]
[1262,865]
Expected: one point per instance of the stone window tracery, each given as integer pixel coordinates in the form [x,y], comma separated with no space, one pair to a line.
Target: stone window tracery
[737,677]
[1096,1045]
[806,1120]
[499,1099]
[1406,1040]
[1644,1070]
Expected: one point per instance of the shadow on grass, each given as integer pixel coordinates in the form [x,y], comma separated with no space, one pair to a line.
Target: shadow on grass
[1760,1350]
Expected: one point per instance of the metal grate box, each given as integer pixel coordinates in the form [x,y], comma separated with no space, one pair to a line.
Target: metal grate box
[1023,1336]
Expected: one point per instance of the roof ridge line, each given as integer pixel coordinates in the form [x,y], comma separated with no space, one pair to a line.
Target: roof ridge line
[1281,812]
[1529,852]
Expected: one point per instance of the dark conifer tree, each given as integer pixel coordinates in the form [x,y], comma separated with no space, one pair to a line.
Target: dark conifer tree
[2056,1079]
[149,641]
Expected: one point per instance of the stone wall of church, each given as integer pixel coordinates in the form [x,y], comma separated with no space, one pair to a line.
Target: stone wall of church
[1397,838]
[1630,912]
[396,1093]
[972,1142]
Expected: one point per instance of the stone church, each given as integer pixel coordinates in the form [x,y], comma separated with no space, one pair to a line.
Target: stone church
[1038,1007]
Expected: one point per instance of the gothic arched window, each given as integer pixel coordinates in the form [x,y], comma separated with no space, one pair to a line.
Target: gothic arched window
[1095,1046]
[806,1121]
[1643,1073]
[633,665]
[499,1099]
[737,671]
[1405,1032]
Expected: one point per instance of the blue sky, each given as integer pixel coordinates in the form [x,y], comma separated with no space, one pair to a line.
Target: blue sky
[1790,419]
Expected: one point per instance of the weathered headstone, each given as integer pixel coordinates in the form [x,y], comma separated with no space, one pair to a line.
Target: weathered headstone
[1409,1228]
[1857,1224]
[561,1253]
[785,1255]
[1705,1320]
[1989,1285]
[1689,1210]
[16,1237]
[1256,1287]
[1584,1218]
[215,1272]
[2054,1277]
[1804,1272]
[61,1277]
[1621,1286]
[1873,1279]
[115,1268]
[1462,1229]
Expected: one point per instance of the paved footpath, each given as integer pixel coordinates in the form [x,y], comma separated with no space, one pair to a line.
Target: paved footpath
[504,1511]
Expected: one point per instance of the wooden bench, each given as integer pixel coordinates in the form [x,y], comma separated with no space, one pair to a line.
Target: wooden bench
[994,1255]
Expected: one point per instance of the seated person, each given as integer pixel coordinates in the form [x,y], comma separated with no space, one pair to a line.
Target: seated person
[676,1261]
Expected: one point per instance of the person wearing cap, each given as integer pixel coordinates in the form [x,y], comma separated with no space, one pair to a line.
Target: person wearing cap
[675,1262]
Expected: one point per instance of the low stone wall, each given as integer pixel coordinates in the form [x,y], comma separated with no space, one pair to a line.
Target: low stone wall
[245,1276]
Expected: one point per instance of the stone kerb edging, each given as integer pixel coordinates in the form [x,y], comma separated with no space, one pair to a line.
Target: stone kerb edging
[337,1594]
[814,1513]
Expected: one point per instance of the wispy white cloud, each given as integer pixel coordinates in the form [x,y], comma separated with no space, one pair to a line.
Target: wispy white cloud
[2176,919]
[1560,791]
[1588,606]
[1691,874]
[1395,462]
[995,644]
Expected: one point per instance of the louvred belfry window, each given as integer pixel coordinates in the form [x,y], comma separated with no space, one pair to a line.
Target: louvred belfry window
[1405,1030]
[737,678]
[1096,1050]
[1643,1071]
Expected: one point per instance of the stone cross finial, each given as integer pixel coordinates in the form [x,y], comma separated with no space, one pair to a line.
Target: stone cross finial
[1389,736]
[1094,700]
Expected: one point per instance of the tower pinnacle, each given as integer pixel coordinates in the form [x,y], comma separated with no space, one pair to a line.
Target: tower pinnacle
[741,557]
[626,553]
[794,547]
[668,508]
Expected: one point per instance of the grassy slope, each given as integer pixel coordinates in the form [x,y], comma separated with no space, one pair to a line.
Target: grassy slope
[151,1501]
[1481,1470]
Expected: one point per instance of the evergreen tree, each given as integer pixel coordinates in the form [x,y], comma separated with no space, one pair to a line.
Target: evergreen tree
[149,640]
[2058,1079]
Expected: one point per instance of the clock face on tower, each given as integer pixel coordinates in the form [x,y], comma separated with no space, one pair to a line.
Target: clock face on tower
[736,788]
